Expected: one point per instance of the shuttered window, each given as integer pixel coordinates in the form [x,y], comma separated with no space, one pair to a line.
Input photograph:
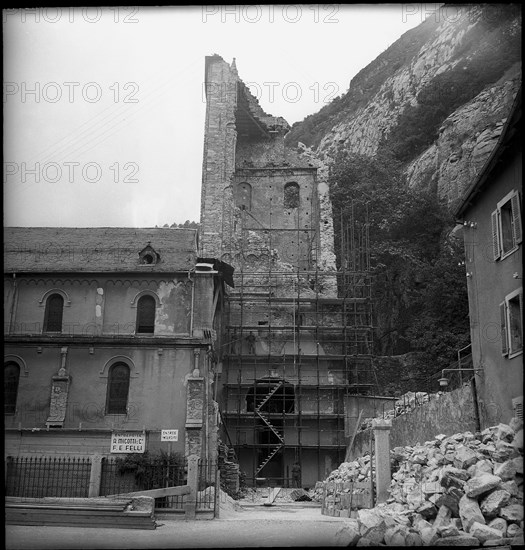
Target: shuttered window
[511,313]
[146,315]
[53,313]
[11,379]
[503,321]
[118,389]
[506,226]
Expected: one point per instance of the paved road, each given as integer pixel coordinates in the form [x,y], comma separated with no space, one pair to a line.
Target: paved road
[248,528]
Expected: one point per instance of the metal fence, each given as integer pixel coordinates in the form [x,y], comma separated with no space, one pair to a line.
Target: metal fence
[36,477]
[208,485]
[115,479]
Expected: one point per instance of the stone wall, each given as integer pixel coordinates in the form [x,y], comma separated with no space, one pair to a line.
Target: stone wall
[446,413]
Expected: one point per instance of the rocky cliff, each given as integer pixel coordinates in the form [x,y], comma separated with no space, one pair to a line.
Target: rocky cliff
[437,98]
[424,115]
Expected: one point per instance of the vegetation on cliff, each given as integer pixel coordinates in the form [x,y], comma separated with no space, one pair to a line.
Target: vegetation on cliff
[419,287]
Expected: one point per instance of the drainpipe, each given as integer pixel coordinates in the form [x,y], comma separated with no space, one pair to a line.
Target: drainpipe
[192,281]
[15,298]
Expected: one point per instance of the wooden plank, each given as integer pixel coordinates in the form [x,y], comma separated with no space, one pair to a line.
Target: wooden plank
[349,450]
[272,496]
[158,493]
[134,525]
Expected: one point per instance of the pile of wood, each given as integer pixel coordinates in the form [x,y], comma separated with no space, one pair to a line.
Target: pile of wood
[102,512]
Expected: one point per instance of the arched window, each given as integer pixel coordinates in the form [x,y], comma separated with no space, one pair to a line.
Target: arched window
[53,313]
[11,379]
[243,196]
[146,315]
[291,195]
[118,389]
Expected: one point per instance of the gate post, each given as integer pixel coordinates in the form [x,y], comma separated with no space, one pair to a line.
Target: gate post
[95,476]
[381,429]
[193,482]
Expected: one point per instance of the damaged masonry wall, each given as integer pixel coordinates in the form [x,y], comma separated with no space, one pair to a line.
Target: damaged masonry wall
[294,347]
[245,171]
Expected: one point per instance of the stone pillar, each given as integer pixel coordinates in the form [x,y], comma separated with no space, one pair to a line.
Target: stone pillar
[193,482]
[381,429]
[95,476]
[59,392]
[194,416]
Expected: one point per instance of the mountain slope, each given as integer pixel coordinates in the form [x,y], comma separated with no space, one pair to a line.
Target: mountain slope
[413,98]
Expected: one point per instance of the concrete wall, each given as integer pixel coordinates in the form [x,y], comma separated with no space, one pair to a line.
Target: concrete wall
[490,282]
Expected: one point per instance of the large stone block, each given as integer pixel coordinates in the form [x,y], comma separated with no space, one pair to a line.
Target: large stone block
[469,512]
[443,517]
[512,512]
[500,525]
[506,470]
[460,540]
[481,484]
[464,457]
[504,432]
[395,536]
[494,502]
[429,536]
[484,532]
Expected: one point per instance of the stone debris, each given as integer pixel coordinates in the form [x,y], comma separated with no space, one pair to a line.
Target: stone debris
[460,490]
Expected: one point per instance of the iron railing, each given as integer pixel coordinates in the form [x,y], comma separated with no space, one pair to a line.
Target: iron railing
[37,477]
[69,477]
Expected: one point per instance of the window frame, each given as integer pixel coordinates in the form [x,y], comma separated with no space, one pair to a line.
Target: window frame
[47,313]
[243,190]
[15,393]
[505,320]
[111,380]
[513,197]
[145,297]
[296,196]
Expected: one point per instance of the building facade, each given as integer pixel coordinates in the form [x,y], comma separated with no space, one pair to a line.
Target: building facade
[490,213]
[109,339]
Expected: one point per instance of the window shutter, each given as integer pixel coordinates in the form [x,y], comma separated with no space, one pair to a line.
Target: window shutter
[495,235]
[516,217]
[504,339]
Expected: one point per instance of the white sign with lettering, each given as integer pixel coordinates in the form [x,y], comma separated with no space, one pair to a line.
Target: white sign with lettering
[128,442]
[169,435]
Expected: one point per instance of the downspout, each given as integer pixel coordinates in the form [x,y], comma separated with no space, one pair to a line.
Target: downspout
[13,302]
[192,281]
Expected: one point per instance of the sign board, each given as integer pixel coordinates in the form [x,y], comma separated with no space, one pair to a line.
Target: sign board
[169,435]
[128,442]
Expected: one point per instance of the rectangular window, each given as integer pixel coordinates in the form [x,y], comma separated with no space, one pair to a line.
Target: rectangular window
[506,226]
[512,324]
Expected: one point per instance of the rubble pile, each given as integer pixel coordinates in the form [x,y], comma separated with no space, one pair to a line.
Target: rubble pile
[459,490]
[357,470]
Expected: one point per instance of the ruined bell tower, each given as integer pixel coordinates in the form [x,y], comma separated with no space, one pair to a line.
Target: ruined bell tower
[291,353]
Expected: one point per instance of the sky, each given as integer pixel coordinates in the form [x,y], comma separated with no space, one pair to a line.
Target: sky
[104,107]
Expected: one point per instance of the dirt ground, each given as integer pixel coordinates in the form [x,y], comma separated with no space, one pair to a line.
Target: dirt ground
[244,529]
[250,526]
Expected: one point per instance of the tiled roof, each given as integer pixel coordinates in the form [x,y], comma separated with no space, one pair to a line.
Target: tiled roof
[100,249]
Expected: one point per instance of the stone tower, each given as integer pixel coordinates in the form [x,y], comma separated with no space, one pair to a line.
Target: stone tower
[284,354]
